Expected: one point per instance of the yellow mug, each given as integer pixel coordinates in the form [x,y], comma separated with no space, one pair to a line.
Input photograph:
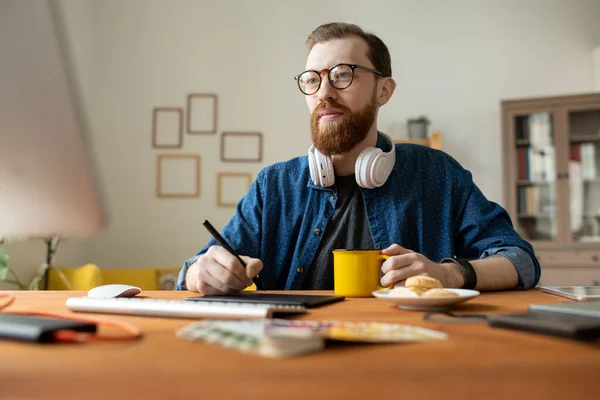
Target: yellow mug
[356,273]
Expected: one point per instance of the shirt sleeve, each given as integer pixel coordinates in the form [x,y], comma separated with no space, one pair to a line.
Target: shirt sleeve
[483,227]
[242,232]
[523,262]
[186,265]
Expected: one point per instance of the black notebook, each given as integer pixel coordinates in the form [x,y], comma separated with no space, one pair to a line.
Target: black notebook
[306,300]
[548,323]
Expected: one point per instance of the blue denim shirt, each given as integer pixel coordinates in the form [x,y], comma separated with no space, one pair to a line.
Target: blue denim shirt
[429,204]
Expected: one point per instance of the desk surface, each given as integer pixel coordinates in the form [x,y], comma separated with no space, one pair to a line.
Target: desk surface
[476,360]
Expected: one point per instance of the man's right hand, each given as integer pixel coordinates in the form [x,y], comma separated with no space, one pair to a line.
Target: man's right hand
[219,272]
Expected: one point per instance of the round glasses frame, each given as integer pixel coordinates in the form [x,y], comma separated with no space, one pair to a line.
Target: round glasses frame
[328,70]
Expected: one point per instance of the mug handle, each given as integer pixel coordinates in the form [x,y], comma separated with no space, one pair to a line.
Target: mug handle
[383,257]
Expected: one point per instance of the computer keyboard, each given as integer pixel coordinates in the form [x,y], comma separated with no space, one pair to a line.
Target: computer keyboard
[180,308]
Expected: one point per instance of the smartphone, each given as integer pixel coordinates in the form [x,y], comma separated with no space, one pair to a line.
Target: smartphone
[39,329]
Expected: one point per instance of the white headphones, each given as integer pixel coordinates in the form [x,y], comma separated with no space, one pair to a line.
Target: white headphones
[373,166]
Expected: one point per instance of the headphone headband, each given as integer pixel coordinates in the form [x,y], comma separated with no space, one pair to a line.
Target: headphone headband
[372,169]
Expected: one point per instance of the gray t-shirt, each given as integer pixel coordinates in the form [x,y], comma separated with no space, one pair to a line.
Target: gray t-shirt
[347,229]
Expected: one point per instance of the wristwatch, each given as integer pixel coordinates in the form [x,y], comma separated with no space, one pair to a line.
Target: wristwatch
[467,270]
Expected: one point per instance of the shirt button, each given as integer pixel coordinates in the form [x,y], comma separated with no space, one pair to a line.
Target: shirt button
[317,231]
[300,270]
[332,198]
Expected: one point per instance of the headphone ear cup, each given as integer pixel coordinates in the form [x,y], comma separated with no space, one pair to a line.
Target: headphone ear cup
[325,168]
[321,168]
[374,166]
[380,170]
[364,168]
[312,166]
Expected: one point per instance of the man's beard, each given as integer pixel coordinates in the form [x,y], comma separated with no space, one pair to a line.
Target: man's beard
[339,137]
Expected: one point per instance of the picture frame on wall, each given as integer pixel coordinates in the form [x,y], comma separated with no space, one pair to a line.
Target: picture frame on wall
[241,147]
[201,113]
[231,187]
[178,176]
[167,127]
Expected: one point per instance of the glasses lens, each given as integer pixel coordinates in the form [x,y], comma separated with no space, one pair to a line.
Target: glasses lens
[309,82]
[341,76]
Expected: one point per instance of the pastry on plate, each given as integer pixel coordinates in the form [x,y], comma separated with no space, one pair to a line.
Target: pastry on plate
[423,282]
[406,292]
[437,292]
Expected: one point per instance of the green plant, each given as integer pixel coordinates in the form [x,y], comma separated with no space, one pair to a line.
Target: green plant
[6,274]
[9,276]
[422,119]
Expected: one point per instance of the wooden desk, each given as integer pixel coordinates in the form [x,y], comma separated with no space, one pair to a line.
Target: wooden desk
[476,361]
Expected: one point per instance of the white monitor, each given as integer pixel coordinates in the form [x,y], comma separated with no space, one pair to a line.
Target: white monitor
[47,180]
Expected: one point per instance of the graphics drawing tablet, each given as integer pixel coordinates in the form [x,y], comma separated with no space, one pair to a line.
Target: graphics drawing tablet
[306,300]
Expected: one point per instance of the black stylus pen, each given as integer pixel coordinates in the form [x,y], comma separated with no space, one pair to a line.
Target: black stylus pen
[221,240]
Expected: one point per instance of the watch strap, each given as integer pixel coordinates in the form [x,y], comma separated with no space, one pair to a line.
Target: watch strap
[470,277]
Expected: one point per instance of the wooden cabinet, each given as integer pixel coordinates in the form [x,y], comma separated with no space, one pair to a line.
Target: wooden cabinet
[551,159]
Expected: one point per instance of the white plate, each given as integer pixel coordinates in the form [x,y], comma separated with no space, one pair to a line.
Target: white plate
[427,303]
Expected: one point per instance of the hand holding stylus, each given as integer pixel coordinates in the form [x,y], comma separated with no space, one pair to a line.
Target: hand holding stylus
[221,271]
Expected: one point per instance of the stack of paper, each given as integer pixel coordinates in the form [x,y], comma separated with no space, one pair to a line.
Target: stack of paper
[285,338]
[254,336]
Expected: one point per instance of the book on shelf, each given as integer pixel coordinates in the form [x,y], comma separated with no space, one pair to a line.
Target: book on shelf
[522,127]
[575,152]
[533,202]
[536,201]
[549,166]
[540,130]
[536,127]
[588,160]
[583,154]
[522,156]
[536,162]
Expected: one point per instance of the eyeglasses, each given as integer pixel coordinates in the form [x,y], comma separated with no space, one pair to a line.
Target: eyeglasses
[340,76]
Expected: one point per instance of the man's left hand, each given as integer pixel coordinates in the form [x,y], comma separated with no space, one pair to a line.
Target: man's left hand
[404,263]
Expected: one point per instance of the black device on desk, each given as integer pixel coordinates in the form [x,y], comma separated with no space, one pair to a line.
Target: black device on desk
[305,300]
[579,293]
[573,320]
[38,328]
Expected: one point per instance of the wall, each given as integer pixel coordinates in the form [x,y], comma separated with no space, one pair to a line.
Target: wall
[597,69]
[454,61]
[596,54]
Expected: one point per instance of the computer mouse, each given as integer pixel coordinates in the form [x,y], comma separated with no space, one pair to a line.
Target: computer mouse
[113,290]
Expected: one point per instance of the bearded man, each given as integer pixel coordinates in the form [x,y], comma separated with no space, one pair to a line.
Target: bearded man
[357,190]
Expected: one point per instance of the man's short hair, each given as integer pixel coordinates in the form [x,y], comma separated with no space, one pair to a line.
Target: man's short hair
[378,52]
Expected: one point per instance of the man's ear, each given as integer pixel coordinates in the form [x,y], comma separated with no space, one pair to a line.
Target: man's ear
[386,90]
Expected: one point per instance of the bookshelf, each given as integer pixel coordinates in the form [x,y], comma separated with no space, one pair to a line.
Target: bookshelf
[551,155]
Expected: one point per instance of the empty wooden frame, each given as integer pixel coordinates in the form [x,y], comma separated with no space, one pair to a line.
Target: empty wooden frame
[167,127]
[241,146]
[231,187]
[178,176]
[201,113]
